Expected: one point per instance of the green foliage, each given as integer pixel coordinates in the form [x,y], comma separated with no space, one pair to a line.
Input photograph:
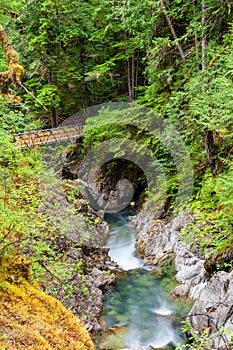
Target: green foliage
[204,340]
[15,118]
[3,65]
[18,193]
[133,124]
[49,96]
[2,347]
[24,230]
[212,229]
[74,193]
[77,54]
[15,5]
[55,34]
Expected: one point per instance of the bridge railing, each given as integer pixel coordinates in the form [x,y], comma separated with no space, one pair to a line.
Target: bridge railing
[46,136]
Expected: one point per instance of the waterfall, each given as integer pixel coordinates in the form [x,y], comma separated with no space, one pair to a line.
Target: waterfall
[137,302]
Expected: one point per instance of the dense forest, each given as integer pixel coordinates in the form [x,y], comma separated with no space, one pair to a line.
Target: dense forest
[172,57]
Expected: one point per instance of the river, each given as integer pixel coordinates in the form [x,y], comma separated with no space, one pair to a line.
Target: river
[137,306]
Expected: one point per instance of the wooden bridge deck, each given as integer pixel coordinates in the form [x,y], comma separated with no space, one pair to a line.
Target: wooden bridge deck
[43,137]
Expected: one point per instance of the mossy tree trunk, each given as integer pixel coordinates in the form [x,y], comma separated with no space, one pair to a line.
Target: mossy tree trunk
[15,72]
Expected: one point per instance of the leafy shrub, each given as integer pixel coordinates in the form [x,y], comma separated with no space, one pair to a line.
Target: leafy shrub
[204,340]
[213,207]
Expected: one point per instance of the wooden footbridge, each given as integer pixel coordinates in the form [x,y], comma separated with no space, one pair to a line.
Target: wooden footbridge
[47,136]
[70,129]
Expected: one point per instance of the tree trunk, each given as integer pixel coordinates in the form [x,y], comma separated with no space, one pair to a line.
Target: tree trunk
[209,144]
[54,117]
[131,78]
[175,37]
[208,134]
[196,38]
[54,111]
[129,81]
[136,76]
[204,37]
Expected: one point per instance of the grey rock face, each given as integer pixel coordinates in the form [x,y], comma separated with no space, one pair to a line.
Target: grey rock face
[214,307]
[212,296]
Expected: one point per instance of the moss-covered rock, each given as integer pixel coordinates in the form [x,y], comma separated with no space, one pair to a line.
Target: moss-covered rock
[30,319]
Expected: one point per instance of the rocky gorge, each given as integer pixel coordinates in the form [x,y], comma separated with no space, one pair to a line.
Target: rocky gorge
[211,294]
[207,284]
[76,270]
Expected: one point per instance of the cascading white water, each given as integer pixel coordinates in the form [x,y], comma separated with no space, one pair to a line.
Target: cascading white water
[122,247]
[137,301]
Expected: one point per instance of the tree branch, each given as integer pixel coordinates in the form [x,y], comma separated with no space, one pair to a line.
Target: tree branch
[10,12]
[181,52]
[31,94]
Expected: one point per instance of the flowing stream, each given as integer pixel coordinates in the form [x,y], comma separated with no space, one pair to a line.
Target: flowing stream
[137,306]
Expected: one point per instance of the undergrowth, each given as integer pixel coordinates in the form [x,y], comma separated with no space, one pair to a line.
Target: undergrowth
[211,229]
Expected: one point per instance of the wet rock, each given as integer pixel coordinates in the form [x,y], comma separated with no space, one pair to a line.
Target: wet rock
[117,184]
[153,241]
[192,274]
[102,279]
[181,291]
[112,338]
[157,271]
[214,307]
[81,289]
[158,239]
[212,295]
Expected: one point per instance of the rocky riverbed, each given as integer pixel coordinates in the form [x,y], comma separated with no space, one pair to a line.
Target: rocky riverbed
[210,289]
[211,294]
